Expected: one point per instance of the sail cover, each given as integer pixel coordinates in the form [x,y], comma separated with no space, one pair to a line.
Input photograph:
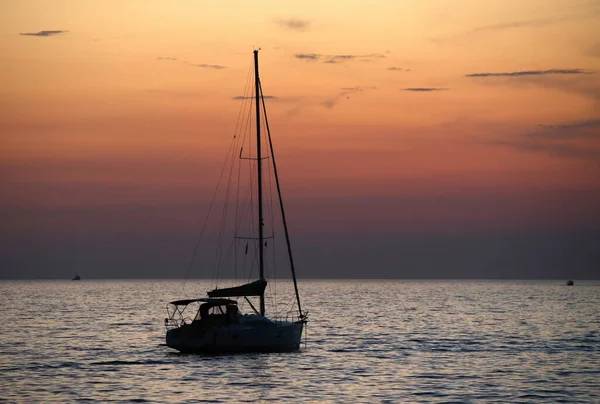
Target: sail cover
[256,288]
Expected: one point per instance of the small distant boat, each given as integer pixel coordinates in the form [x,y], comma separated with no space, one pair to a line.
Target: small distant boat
[570,283]
[76,278]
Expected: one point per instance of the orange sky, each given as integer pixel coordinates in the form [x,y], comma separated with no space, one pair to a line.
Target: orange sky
[131,103]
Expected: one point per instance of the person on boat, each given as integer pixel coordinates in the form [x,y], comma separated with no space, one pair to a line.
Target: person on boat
[204,311]
[232,313]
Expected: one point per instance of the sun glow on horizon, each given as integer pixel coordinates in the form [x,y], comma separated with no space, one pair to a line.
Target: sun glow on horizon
[490,108]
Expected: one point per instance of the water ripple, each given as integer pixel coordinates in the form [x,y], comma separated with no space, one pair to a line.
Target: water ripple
[430,342]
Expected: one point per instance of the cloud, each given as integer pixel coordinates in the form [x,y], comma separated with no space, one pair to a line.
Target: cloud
[541,22]
[241,97]
[476,32]
[201,65]
[339,58]
[43,33]
[582,82]
[562,140]
[294,24]
[574,130]
[331,102]
[424,89]
[333,59]
[358,88]
[175,93]
[556,149]
[583,11]
[206,66]
[594,50]
[398,69]
[345,93]
[532,73]
[307,56]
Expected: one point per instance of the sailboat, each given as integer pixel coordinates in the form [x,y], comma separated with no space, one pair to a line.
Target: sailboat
[215,323]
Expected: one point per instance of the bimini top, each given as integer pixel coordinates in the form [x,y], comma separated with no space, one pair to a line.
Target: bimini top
[214,302]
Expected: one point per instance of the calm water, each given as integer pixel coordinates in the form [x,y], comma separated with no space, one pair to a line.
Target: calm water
[368,341]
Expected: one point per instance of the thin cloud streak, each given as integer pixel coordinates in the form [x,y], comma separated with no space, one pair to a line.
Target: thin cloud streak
[477,32]
[267,97]
[557,140]
[44,33]
[582,82]
[307,56]
[346,91]
[557,149]
[207,66]
[532,73]
[518,24]
[294,24]
[423,89]
[333,59]
[594,50]
[585,12]
[200,65]
[358,88]
[578,130]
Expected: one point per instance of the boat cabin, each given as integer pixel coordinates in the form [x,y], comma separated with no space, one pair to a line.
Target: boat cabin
[211,311]
[203,311]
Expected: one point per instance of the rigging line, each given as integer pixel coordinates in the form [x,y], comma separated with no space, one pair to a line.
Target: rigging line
[239,221]
[287,236]
[271,206]
[253,261]
[246,130]
[211,204]
[233,243]
[203,228]
[222,229]
[246,122]
[222,251]
[285,306]
[244,210]
[246,207]
[235,142]
[252,171]
[240,115]
[244,100]
[224,217]
[239,170]
[237,217]
[249,197]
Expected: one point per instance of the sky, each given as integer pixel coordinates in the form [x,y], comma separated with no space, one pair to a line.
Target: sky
[436,139]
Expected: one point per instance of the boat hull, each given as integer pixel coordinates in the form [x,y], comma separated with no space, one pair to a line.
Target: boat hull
[262,336]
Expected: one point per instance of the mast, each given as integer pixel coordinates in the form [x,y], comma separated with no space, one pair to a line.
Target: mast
[259,180]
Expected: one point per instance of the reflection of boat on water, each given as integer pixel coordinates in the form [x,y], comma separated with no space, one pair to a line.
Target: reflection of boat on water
[570,283]
[76,278]
[214,324]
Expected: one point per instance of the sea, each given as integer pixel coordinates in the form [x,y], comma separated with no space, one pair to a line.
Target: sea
[367,341]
